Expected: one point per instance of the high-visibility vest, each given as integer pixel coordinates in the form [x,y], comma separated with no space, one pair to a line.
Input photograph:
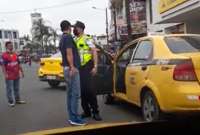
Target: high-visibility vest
[84,49]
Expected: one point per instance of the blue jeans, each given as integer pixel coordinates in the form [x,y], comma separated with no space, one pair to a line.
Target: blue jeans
[12,86]
[73,93]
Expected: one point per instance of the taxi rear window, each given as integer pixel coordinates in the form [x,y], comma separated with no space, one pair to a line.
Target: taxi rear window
[183,44]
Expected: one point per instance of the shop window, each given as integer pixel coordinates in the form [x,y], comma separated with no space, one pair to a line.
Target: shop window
[15,35]
[9,34]
[6,34]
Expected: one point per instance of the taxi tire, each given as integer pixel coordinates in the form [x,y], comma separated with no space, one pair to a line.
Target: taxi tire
[53,84]
[148,102]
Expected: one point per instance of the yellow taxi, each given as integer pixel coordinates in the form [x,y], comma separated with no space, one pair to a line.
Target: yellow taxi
[157,73]
[51,70]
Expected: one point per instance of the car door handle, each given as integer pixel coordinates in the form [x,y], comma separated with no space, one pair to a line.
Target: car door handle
[164,68]
[144,68]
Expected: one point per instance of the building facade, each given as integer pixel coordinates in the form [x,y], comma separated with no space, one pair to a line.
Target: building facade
[123,14]
[22,43]
[101,40]
[9,35]
[153,17]
[176,16]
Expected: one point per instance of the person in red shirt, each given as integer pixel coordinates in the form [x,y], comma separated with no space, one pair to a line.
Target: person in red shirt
[12,71]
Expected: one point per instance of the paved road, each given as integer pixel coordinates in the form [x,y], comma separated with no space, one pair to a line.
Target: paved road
[45,108]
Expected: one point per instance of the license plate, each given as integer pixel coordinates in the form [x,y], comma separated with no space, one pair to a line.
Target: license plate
[51,77]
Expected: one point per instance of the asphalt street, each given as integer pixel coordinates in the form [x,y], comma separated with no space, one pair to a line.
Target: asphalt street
[46,107]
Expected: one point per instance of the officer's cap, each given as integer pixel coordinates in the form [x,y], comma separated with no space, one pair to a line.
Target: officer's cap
[79,24]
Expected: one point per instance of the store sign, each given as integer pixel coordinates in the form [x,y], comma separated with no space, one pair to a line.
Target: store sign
[137,19]
[165,5]
[138,16]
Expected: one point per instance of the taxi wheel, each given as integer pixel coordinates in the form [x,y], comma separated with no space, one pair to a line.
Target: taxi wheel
[150,108]
[53,84]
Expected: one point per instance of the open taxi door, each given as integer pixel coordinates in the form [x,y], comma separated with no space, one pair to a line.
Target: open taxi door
[102,82]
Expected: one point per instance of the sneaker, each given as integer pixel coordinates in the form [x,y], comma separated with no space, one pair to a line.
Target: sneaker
[77,122]
[97,117]
[20,102]
[81,119]
[69,121]
[11,104]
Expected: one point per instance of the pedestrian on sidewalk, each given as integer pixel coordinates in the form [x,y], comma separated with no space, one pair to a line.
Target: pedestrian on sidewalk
[12,71]
[27,57]
[71,64]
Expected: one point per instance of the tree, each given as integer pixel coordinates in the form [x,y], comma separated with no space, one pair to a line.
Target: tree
[52,39]
[55,36]
[39,30]
[44,35]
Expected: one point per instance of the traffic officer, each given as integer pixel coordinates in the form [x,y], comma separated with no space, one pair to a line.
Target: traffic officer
[89,60]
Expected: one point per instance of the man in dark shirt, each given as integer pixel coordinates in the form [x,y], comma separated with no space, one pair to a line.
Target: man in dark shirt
[71,64]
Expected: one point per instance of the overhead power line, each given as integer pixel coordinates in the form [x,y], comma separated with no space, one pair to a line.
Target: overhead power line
[46,7]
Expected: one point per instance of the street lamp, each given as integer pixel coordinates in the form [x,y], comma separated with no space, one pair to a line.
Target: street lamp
[106,21]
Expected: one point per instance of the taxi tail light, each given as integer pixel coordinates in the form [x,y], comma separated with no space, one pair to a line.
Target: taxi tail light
[185,71]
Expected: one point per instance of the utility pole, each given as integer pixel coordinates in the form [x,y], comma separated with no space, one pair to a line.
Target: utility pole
[107,37]
[115,20]
[129,30]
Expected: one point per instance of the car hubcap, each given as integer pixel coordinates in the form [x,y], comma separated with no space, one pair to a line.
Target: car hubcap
[149,109]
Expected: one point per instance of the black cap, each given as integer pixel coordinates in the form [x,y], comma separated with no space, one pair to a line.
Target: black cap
[65,25]
[79,24]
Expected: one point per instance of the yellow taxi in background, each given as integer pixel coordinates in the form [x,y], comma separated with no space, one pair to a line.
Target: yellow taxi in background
[157,73]
[51,70]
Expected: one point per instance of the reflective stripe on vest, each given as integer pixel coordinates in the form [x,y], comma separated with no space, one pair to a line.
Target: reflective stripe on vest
[84,49]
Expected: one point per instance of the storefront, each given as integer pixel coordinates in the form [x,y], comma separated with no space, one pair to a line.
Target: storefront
[137,15]
[176,29]
[183,12]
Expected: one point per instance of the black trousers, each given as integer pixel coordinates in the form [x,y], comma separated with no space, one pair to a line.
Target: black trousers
[88,94]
